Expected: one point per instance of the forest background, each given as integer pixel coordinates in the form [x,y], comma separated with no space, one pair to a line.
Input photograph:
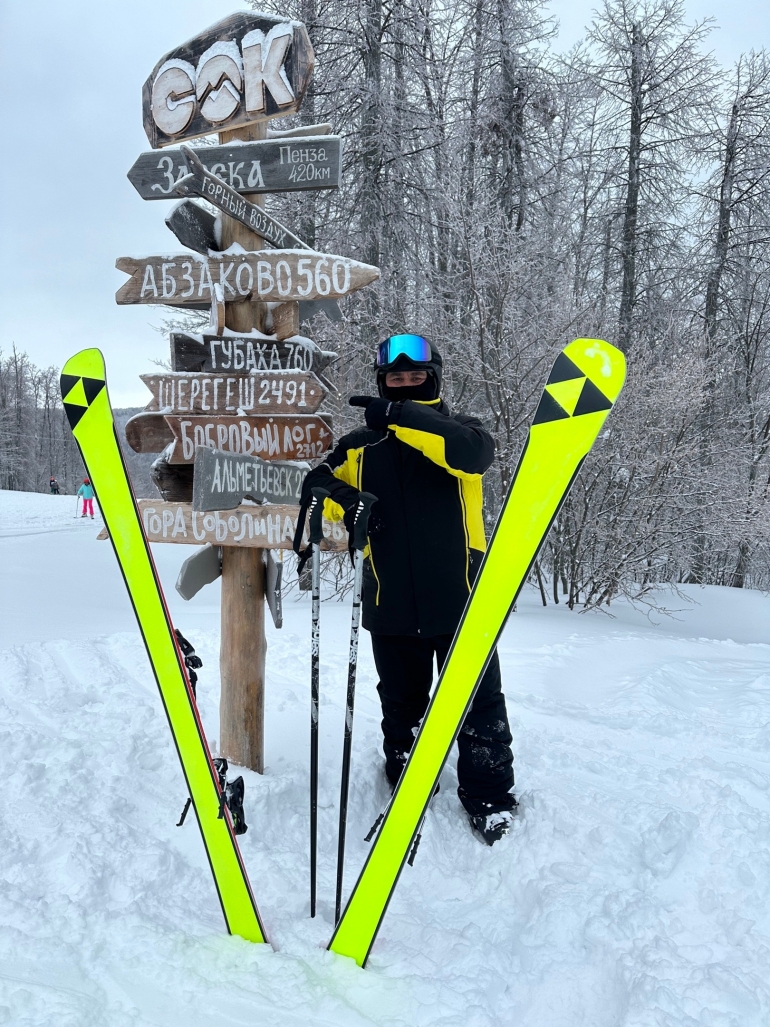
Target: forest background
[516,199]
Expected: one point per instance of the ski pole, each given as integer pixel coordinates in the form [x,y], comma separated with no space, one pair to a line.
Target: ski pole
[77,504]
[315,514]
[358,541]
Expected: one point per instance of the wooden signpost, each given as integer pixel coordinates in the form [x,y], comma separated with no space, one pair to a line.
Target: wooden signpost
[246,353]
[252,527]
[223,481]
[246,68]
[263,166]
[187,279]
[244,397]
[268,392]
[195,227]
[302,437]
[208,186]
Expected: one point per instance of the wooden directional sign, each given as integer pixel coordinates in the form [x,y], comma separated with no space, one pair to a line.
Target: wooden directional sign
[273,580]
[298,437]
[148,432]
[223,480]
[265,527]
[188,279]
[244,354]
[268,392]
[199,569]
[246,68]
[195,227]
[208,186]
[263,166]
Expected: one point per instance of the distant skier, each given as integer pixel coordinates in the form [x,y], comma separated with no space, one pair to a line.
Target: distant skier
[86,493]
[426,543]
[54,486]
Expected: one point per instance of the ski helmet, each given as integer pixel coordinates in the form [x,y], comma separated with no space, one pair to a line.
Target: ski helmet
[408,352]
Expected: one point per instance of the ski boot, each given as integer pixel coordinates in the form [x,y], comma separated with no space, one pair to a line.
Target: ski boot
[491,827]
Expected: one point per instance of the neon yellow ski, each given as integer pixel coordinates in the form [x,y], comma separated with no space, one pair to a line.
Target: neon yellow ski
[84,392]
[585,382]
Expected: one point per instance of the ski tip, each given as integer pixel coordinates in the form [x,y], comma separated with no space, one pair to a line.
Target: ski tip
[586,378]
[601,362]
[82,379]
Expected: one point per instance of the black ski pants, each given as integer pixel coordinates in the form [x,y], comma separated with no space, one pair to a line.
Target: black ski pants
[485,763]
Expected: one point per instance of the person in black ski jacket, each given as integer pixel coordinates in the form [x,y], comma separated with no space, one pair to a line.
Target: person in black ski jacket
[425,545]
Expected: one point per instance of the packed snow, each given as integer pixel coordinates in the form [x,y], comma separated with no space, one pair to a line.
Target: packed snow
[633,889]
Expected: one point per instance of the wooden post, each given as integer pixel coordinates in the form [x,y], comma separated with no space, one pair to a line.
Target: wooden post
[243,646]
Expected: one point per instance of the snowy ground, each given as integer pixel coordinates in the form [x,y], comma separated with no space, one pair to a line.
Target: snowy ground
[633,891]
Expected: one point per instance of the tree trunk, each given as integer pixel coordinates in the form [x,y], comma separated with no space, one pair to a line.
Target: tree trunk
[629,239]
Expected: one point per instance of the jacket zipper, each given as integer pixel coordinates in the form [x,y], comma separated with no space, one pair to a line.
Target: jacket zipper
[467,536]
[374,572]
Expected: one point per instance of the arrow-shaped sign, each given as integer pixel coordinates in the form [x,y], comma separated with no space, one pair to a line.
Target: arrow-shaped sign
[261,166]
[195,227]
[298,437]
[247,353]
[272,392]
[208,186]
[223,480]
[188,279]
[265,527]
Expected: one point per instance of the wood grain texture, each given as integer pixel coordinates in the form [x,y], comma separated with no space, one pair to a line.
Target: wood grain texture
[195,227]
[285,320]
[249,313]
[173,481]
[246,354]
[227,77]
[242,666]
[148,433]
[207,186]
[187,279]
[298,437]
[242,695]
[223,480]
[271,392]
[262,527]
[247,166]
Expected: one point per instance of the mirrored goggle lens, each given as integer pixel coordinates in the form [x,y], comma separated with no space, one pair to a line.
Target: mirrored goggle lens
[412,346]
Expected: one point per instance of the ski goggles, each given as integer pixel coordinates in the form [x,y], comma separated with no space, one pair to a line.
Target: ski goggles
[413,347]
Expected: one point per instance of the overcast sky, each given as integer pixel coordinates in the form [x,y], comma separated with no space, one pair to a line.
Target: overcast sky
[72,73]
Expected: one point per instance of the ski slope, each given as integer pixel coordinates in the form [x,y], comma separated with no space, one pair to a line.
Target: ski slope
[634,889]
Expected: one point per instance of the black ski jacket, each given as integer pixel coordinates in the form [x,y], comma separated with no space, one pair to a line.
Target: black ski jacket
[426,531]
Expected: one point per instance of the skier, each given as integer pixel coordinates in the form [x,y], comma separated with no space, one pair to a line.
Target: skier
[54,486]
[426,543]
[86,493]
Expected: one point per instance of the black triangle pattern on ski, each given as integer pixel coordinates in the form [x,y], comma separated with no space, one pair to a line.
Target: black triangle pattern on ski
[591,401]
[549,410]
[564,370]
[67,383]
[74,413]
[92,387]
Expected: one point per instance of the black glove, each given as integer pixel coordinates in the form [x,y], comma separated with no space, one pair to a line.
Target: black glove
[379,412]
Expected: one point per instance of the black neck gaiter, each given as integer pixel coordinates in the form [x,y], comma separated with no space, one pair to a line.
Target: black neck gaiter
[424,391]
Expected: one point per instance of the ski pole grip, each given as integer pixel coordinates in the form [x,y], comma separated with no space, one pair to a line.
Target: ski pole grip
[316,516]
[361,522]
